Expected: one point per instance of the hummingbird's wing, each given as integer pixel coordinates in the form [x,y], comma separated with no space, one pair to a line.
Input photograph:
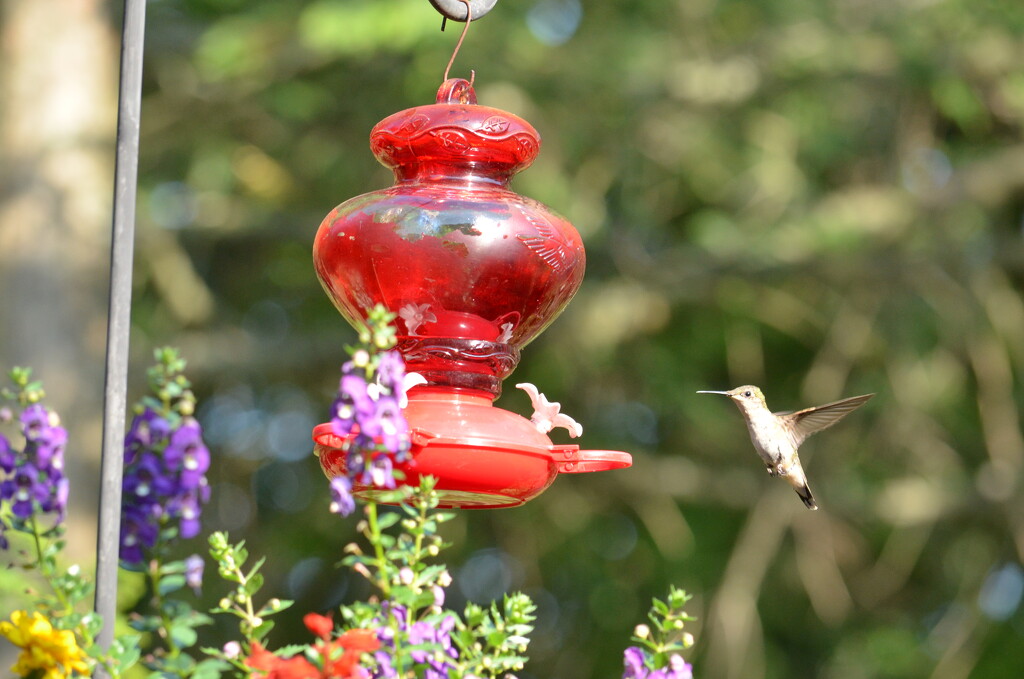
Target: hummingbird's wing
[810,420]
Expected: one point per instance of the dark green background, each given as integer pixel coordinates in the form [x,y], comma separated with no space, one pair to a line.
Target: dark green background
[824,198]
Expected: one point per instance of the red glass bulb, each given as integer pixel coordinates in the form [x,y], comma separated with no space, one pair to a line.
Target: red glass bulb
[474,270]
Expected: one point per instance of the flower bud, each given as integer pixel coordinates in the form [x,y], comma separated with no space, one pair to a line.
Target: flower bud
[641,631]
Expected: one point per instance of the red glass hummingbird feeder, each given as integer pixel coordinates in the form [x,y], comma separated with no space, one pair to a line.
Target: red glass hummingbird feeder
[474,272]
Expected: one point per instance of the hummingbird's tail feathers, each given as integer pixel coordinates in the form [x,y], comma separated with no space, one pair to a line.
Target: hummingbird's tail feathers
[805,494]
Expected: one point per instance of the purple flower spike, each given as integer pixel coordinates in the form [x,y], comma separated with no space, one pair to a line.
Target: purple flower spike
[7,458]
[164,481]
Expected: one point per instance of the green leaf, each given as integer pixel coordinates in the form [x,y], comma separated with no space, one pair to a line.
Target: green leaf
[388,519]
[274,606]
[171,583]
[254,584]
[264,629]
[210,669]
[183,636]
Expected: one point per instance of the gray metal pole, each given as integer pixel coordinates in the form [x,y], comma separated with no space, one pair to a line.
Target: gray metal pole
[119,316]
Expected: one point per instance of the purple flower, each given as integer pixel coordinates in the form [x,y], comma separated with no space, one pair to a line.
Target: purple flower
[36,482]
[384,669]
[353,404]
[24,489]
[48,447]
[187,455]
[431,639]
[57,501]
[194,572]
[381,472]
[341,496]
[147,482]
[421,634]
[635,663]
[188,507]
[389,424]
[679,668]
[391,372]
[34,420]
[137,532]
[148,429]
[164,481]
[7,457]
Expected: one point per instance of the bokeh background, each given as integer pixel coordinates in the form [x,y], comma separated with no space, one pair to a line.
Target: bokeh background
[821,197]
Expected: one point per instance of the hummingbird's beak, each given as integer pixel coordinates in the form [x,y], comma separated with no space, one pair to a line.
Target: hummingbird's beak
[723,393]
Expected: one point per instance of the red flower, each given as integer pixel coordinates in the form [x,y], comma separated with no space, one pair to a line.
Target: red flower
[270,666]
[362,640]
[352,645]
[320,625]
[340,657]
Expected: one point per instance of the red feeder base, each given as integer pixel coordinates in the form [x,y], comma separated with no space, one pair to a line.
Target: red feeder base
[483,457]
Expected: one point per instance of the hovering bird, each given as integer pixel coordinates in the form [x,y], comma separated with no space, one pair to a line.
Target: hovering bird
[777,436]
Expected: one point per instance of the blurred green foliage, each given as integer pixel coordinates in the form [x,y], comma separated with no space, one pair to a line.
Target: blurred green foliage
[822,197]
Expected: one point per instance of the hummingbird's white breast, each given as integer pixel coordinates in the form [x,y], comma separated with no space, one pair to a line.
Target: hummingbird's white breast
[770,437]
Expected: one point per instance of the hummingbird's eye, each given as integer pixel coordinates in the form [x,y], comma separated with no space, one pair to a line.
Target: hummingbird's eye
[747,394]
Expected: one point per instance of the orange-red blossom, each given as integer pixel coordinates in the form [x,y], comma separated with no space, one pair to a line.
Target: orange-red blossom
[340,657]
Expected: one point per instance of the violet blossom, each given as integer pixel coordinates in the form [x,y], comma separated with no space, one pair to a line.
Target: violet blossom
[635,663]
[164,482]
[369,417]
[32,479]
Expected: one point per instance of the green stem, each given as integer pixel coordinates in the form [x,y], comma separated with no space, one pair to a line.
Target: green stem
[47,567]
[378,549]
[157,602]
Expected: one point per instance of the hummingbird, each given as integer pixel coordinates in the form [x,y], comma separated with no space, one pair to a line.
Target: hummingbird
[777,436]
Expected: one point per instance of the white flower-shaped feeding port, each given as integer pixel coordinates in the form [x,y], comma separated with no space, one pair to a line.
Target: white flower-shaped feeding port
[546,415]
[416,315]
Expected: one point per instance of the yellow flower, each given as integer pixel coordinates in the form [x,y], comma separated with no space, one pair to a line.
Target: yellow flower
[55,652]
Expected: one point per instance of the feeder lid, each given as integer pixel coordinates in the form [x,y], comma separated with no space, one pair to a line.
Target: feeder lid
[455,132]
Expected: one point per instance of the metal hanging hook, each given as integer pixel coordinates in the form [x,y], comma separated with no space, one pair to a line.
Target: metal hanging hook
[468,18]
[458,10]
